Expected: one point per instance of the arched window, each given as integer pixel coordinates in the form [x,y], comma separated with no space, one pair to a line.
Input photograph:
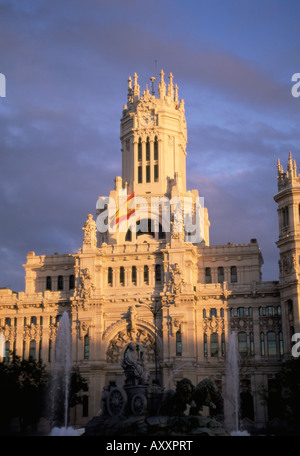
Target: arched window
[250,313]
[60,283]
[110,276]
[7,321]
[220,274]
[148,149]
[233,274]
[214,345]
[213,312]
[271,341]
[157,273]
[241,311]
[32,349]
[122,275]
[178,344]
[146,274]
[144,226]
[140,150]
[207,275]
[86,347]
[33,321]
[242,343]
[204,313]
[133,275]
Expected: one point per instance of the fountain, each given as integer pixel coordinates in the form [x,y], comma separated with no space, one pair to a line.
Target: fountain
[60,382]
[232,389]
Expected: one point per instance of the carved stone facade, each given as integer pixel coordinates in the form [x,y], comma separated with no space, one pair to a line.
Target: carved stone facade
[176,300]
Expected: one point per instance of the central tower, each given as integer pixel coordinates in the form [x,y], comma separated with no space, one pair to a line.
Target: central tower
[153,138]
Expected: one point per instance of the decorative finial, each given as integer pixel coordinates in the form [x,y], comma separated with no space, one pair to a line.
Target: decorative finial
[162,85]
[170,86]
[136,87]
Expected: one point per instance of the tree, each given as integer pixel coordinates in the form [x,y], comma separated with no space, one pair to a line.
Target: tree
[23,385]
[288,380]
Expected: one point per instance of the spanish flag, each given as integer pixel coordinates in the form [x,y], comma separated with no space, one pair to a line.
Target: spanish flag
[125,211]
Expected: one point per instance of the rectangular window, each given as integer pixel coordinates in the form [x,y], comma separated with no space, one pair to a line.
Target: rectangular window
[178,344]
[242,343]
[213,312]
[156,150]
[233,274]
[71,282]
[155,173]
[220,274]
[86,349]
[110,276]
[122,275]
[133,275]
[157,273]
[60,283]
[140,150]
[140,174]
[146,274]
[271,339]
[207,275]
[48,283]
[148,173]
[214,345]
[147,150]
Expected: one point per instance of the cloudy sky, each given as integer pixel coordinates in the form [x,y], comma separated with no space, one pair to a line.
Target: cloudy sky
[66,65]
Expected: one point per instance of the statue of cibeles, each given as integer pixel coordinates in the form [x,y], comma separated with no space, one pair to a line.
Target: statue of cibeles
[135,371]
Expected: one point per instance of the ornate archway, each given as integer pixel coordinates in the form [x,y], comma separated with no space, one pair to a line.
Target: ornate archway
[142,337]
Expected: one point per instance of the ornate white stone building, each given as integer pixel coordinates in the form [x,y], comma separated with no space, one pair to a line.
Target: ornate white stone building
[178,297]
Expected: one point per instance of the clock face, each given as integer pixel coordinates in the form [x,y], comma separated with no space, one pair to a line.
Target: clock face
[147,120]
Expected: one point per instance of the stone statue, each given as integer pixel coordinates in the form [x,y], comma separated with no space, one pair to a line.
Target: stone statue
[135,371]
[90,232]
[189,400]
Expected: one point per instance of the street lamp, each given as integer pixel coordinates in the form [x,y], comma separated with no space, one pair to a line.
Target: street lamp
[154,309]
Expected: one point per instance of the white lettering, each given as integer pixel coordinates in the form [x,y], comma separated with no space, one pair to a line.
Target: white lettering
[295,78]
[2,85]
[296,347]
